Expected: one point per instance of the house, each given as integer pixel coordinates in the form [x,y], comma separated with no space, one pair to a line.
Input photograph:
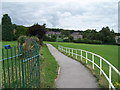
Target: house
[76,35]
[117,39]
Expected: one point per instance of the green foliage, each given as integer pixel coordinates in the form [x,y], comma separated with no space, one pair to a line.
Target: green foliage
[65,33]
[51,39]
[59,39]
[87,41]
[20,30]
[0,32]
[35,38]
[104,36]
[37,30]
[7,28]
[70,38]
[22,39]
[107,36]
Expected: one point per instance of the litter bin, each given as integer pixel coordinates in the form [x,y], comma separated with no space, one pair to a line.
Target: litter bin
[7,47]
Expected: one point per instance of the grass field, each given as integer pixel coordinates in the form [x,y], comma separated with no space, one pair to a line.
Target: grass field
[48,66]
[109,52]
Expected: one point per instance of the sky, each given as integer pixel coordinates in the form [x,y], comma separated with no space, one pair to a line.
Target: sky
[67,14]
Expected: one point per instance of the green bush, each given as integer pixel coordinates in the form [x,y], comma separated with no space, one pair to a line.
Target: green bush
[22,39]
[27,43]
[88,41]
[35,38]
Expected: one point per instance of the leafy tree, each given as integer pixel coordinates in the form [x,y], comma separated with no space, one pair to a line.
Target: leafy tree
[7,28]
[71,38]
[20,30]
[65,33]
[107,36]
[37,30]
[0,32]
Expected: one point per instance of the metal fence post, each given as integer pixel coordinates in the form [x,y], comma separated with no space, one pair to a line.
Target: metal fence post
[93,61]
[100,66]
[3,66]
[22,74]
[81,55]
[12,69]
[69,51]
[66,50]
[86,57]
[8,68]
[76,53]
[109,76]
[72,52]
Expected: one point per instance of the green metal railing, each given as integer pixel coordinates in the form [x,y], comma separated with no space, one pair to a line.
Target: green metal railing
[21,69]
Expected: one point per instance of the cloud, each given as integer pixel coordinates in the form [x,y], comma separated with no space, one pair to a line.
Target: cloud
[70,14]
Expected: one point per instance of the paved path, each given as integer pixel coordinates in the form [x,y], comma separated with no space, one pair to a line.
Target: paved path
[72,73]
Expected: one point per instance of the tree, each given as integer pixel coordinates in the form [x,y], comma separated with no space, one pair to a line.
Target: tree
[37,30]
[20,30]
[71,38]
[107,36]
[7,28]
[65,33]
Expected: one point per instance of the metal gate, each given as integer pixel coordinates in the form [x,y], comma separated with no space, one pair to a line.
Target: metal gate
[21,69]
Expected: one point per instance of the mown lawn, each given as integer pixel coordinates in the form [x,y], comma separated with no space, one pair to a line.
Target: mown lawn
[109,52]
[48,66]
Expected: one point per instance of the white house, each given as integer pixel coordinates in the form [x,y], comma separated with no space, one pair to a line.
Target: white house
[117,38]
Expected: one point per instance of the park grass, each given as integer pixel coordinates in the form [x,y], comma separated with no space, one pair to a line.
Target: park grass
[109,52]
[49,68]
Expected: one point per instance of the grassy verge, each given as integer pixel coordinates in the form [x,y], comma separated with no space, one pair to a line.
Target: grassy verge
[49,68]
[109,52]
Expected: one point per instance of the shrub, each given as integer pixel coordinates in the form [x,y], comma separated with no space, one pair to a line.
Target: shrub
[88,41]
[22,39]
[27,43]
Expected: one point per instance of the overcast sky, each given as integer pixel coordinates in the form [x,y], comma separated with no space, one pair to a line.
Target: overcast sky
[68,14]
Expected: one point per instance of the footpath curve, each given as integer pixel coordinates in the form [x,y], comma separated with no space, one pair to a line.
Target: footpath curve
[72,73]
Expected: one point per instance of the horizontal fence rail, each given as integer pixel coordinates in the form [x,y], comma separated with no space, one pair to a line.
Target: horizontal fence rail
[21,69]
[84,55]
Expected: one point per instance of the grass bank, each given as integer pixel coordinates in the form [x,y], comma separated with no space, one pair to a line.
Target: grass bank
[49,68]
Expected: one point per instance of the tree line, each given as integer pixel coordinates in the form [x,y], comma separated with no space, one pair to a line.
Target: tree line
[11,32]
